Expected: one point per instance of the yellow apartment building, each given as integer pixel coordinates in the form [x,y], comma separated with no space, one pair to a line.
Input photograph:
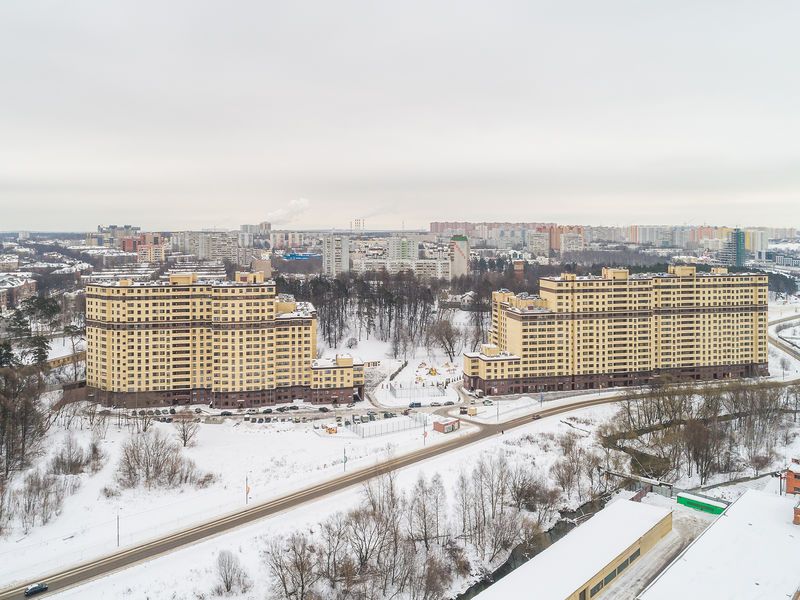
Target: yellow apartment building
[589,332]
[233,344]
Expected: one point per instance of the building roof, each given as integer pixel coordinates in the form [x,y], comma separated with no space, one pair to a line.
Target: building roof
[751,551]
[560,570]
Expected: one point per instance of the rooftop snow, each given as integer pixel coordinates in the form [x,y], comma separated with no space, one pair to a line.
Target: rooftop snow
[751,551]
[559,571]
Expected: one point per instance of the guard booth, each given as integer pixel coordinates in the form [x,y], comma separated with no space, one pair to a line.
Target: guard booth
[447,426]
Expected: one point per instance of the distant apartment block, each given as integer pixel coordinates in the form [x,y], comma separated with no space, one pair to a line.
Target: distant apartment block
[233,344]
[153,253]
[335,255]
[619,329]
[14,289]
[210,245]
[459,256]
[572,242]
[9,262]
[442,263]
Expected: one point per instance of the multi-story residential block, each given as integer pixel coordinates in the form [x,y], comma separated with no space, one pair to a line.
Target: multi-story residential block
[734,252]
[189,340]
[9,262]
[152,253]
[284,240]
[402,248]
[459,256]
[15,288]
[572,242]
[208,245]
[335,255]
[620,329]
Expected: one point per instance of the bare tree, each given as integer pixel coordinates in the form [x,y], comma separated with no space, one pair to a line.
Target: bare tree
[230,574]
[292,562]
[186,428]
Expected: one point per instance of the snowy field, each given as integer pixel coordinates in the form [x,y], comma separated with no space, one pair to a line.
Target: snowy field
[274,459]
[785,307]
[194,567]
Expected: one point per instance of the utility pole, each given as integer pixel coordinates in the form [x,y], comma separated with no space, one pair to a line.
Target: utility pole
[344,459]
[118,527]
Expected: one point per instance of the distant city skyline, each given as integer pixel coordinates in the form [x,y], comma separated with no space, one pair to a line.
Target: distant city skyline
[188,116]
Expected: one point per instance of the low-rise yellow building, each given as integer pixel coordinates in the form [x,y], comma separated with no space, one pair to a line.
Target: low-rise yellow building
[588,332]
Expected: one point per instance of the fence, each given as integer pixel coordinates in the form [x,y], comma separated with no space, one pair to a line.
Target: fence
[393,425]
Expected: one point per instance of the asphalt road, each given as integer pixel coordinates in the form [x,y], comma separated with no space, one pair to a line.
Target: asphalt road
[119,560]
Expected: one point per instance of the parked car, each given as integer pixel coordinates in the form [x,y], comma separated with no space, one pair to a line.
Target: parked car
[294,407]
[356,419]
[371,417]
[260,419]
[158,412]
[281,409]
[267,411]
[226,413]
[268,419]
[251,411]
[35,588]
[351,405]
[324,409]
[462,410]
[415,405]
[487,402]
[198,410]
[172,411]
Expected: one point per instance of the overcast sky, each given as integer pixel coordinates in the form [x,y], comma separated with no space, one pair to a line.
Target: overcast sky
[188,114]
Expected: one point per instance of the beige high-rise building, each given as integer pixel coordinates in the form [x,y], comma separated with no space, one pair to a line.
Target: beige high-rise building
[187,340]
[620,329]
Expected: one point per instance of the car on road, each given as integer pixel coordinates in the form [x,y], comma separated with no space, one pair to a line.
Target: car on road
[267,411]
[536,417]
[462,410]
[226,413]
[487,402]
[324,409]
[351,405]
[35,588]
[415,405]
[198,410]
[449,403]
[406,412]
[294,407]
[436,403]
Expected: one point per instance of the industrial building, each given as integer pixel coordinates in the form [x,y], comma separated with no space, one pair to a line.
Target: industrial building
[751,551]
[619,329]
[582,564]
[189,340]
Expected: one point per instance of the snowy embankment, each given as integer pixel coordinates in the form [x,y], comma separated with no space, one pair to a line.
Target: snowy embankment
[194,567]
[274,459]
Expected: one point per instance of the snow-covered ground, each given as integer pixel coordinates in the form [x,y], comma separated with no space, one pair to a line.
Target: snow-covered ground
[274,459]
[786,307]
[190,572]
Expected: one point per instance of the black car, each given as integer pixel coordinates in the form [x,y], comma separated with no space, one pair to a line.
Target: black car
[267,411]
[226,413]
[35,588]
[324,409]
[294,407]
[449,403]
